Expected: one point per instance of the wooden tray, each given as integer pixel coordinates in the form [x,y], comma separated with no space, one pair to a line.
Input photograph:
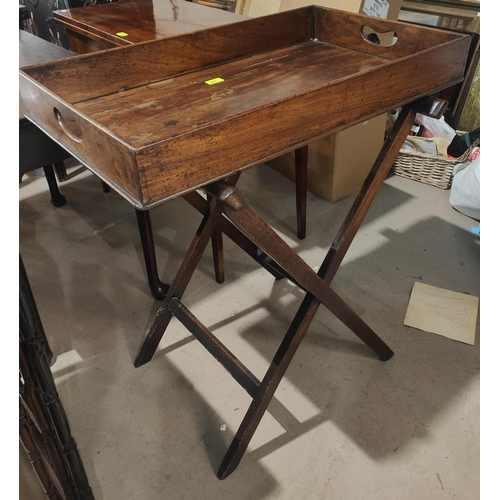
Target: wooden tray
[150,121]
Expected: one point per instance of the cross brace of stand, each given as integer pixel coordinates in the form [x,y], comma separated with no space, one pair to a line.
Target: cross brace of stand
[228,212]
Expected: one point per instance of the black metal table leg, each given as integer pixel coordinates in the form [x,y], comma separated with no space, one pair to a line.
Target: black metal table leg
[56,198]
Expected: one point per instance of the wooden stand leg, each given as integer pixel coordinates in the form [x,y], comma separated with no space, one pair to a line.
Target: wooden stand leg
[157,287]
[310,304]
[301,190]
[248,221]
[218,255]
[228,203]
[181,281]
[369,190]
[200,204]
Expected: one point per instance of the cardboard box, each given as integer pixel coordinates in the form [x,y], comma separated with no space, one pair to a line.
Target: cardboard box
[257,8]
[338,164]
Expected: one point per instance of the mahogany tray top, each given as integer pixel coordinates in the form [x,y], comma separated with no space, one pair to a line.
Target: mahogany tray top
[151,120]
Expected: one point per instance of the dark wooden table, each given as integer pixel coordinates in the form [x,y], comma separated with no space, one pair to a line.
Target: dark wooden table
[132,21]
[194,111]
[36,149]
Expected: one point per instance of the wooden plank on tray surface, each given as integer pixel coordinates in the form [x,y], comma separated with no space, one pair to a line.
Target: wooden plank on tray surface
[101,73]
[179,105]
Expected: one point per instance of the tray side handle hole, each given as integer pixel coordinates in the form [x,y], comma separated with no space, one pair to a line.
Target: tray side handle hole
[69,127]
[387,39]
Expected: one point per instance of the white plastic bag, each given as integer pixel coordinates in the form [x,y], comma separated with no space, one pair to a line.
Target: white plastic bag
[465,189]
[436,128]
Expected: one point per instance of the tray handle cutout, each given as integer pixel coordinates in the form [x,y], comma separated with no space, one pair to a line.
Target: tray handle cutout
[69,127]
[386,39]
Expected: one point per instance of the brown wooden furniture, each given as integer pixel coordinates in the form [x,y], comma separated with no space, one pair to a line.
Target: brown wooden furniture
[44,430]
[133,21]
[102,27]
[39,150]
[283,80]
[36,149]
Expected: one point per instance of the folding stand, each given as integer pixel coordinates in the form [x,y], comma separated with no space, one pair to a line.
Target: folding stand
[284,80]
[229,210]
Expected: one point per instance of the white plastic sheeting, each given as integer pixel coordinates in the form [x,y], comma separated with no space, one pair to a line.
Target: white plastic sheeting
[465,188]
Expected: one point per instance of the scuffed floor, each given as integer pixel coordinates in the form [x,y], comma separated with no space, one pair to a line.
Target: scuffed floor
[342,426]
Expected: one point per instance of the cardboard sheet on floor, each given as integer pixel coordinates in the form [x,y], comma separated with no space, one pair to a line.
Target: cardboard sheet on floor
[443,312]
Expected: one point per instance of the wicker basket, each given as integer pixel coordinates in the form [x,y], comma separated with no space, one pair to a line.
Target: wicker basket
[430,169]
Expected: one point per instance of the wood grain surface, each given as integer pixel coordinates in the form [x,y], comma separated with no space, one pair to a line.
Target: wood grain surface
[150,124]
[140,20]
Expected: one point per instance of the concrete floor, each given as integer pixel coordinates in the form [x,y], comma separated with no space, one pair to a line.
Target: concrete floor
[343,425]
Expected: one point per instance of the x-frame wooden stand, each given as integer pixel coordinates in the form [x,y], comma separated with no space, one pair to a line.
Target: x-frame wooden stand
[229,211]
